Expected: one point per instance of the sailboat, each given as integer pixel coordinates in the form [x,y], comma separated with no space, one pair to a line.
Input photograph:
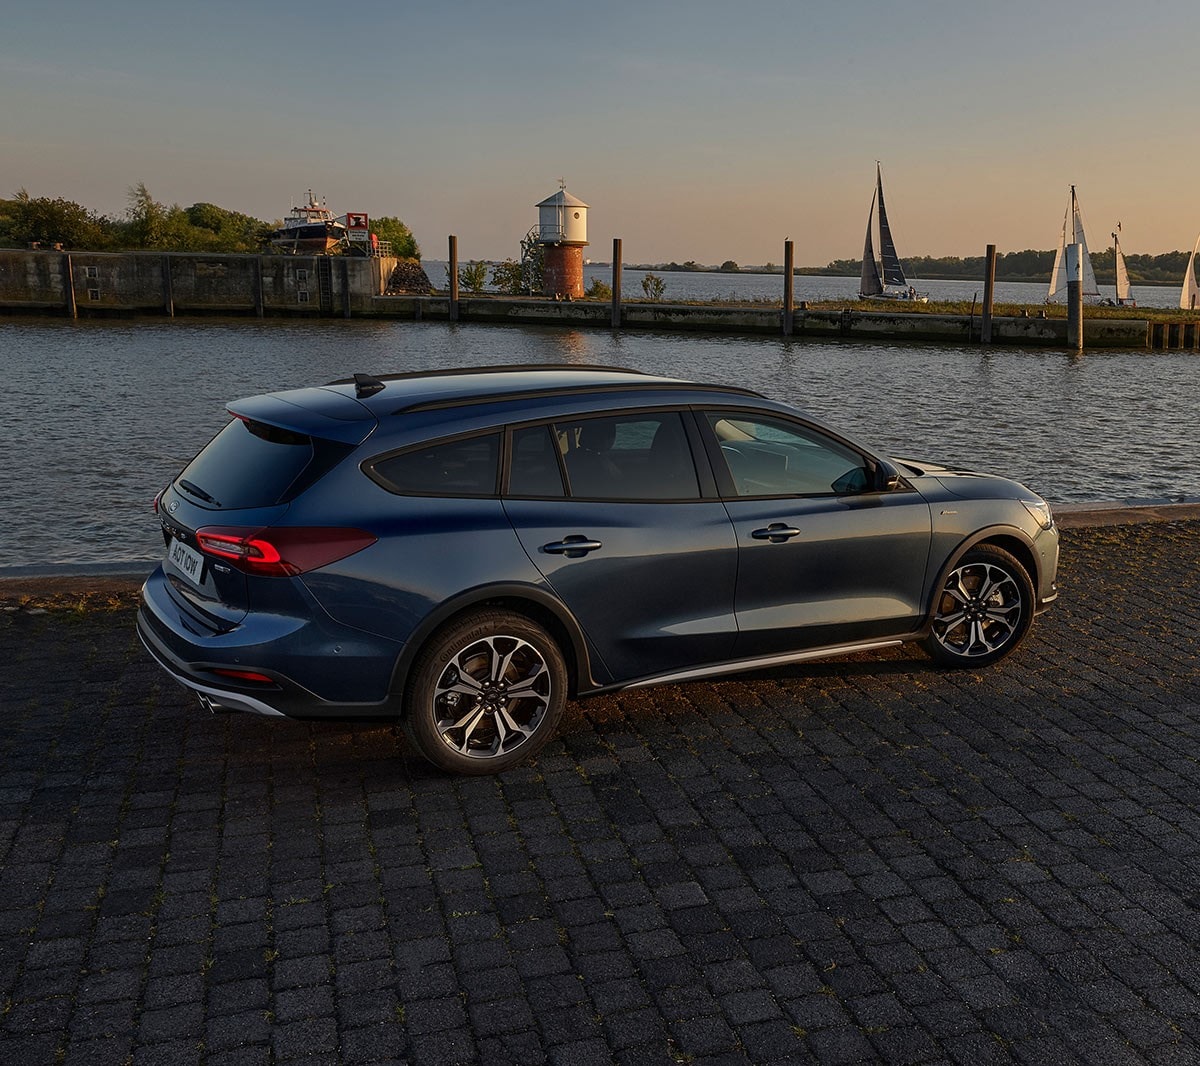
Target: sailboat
[872,286]
[1124,295]
[1189,296]
[1072,233]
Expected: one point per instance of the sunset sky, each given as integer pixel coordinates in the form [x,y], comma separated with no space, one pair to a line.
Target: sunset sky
[695,131]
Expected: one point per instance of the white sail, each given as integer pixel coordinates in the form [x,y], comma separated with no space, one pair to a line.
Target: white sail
[1189,297]
[1072,233]
[1124,295]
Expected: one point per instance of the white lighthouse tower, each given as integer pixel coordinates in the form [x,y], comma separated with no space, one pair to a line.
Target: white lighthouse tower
[562,233]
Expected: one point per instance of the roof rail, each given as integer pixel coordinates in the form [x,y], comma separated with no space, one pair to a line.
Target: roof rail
[504,368]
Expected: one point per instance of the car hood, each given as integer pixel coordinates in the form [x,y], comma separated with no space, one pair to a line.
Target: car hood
[965,484]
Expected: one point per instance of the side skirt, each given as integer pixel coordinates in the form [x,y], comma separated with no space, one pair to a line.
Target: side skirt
[739,666]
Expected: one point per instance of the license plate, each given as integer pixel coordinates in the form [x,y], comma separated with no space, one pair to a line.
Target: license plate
[187,561]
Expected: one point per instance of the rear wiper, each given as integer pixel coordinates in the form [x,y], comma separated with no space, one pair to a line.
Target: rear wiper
[196,490]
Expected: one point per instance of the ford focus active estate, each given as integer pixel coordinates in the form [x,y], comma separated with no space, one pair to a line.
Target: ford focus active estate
[465,550]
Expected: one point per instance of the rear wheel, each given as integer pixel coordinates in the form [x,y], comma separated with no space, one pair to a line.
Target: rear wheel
[983,611]
[487,692]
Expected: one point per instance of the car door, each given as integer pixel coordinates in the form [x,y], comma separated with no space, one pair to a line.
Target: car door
[610,510]
[825,556]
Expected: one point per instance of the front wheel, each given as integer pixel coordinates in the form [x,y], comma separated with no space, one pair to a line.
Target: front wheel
[983,611]
[487,692]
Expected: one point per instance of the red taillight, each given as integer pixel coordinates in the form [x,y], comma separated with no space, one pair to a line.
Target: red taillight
[158,500]
[252,676]
[282,551]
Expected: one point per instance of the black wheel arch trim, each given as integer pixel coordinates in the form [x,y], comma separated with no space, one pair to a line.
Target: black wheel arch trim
[992,535]
[510,596]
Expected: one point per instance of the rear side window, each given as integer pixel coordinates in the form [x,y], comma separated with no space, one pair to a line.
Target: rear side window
[464,467]
[628,457]
[247,464]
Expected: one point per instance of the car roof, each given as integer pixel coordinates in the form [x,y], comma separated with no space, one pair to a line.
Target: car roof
[332,410]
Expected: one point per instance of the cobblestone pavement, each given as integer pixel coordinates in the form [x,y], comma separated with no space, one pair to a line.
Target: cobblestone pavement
[856,861]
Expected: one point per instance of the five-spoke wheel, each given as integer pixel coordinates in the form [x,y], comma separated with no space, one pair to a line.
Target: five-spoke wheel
[983,611]
[487,693]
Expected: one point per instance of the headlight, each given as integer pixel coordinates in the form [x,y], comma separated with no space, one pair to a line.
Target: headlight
[1041,512]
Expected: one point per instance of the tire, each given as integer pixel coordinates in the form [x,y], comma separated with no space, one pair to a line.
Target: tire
[487,692]
[983,610]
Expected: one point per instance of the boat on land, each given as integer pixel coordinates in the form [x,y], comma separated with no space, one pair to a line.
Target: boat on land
[890,283]
[309,229]
[1124,293]
[1189,296]
[1072,233]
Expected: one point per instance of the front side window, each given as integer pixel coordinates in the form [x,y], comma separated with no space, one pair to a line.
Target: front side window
[765,456]
[467,466]
[628,457]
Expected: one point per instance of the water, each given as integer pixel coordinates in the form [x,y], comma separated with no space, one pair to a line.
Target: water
[735,288]
[99,415]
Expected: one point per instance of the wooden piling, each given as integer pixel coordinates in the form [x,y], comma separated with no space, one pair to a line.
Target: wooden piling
[258,286]
[789,283]
[616,283]
[453,267]
[68,272]
[1075,296]
[989,293]
[345,287]
[168,288]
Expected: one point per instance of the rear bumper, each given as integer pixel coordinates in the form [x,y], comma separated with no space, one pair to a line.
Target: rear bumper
[315,668]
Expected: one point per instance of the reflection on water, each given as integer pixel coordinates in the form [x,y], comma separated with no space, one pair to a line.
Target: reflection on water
[99,415]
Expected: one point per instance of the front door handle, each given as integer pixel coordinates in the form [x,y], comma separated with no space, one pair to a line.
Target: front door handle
[573,547]
[776,533]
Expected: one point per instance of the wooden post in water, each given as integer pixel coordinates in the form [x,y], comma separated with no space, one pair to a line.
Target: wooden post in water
[168,288]
[789,251]
[345,287]
[1075,296]
[989,293]
[453,268]
[68,273]
[616,284]
[258,286]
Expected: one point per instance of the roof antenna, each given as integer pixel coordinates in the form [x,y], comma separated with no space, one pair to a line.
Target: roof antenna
[365,385]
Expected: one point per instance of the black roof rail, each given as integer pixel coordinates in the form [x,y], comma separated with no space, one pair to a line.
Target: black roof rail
[568,390]
[503,368]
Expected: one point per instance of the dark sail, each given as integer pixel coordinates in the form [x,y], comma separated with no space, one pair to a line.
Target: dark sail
[893,273]
[870,285]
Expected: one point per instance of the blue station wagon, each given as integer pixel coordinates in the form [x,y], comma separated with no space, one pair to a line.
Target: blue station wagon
[464,550]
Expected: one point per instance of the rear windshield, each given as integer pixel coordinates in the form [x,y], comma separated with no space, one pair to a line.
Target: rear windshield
[247,464]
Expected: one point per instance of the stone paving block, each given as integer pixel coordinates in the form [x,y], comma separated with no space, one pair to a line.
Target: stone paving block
[863,860]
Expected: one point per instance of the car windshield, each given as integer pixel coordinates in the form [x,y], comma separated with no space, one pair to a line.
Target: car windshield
[247,464]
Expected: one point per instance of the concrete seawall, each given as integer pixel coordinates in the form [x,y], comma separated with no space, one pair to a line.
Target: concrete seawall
[132,283]
[849,322]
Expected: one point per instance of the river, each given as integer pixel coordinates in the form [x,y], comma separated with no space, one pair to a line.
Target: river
[99,415]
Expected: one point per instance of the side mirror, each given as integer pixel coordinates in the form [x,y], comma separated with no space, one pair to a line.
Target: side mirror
[886,477]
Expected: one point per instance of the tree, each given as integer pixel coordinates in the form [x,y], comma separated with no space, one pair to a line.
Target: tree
[472,276]
[653,286]
[404,245]
[599,290]
[27,220]
[146,217]
[730,267]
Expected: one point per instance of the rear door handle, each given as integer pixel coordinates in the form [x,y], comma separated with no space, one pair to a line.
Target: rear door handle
[776,533]
[573,547]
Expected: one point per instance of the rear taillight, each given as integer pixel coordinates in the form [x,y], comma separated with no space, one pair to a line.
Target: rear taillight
[282,551]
